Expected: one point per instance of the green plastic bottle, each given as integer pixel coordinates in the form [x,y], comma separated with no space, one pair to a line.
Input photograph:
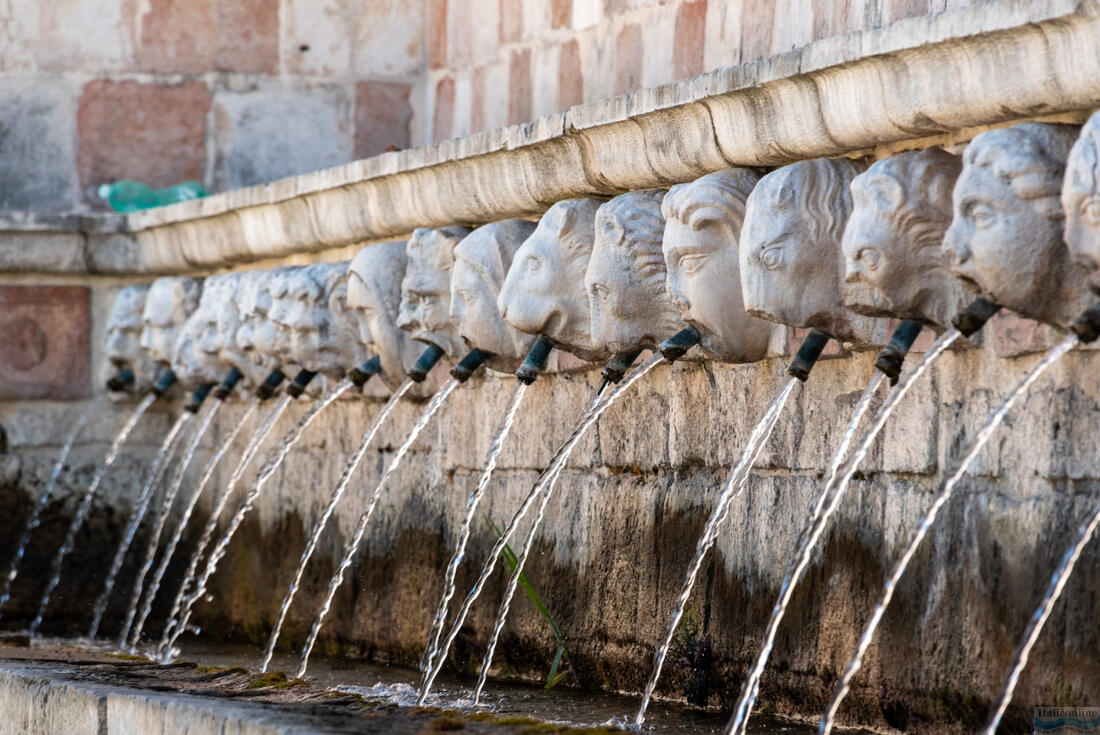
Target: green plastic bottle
[133,196]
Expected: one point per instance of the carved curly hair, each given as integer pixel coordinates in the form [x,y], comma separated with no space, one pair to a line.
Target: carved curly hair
[725,191]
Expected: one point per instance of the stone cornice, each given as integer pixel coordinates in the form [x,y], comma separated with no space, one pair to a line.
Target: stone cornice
[918,78]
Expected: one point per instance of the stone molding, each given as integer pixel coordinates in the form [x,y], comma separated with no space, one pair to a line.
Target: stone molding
[922,77]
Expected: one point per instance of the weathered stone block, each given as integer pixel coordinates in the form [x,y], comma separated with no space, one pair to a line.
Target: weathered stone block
[519,87]
[223,35]
[315,37]
[570,76]
[690,39]
[443,106]
[36,145]
[45,333]
[388,37]
[382,116]
[129,130]
[270,133]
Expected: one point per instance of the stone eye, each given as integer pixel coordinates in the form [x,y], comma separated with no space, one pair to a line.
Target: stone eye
[982,215]
[533,264]
[692,262]
[772,258]
[1091,210]
[870,258]
[601,291]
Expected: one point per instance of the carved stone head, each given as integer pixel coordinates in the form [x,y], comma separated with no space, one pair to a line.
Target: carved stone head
[123,339]
[374,295]
[1081,201]
[544,291]
[625,279]
[196,359]
[317,331]
[1005,240]
[482,260]
[220,304]
[168,304]
[426,291]
[893,243]
[258,338]
[791,261]
[702,233]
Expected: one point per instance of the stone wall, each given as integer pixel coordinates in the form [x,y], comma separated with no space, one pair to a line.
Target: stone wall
[235,93]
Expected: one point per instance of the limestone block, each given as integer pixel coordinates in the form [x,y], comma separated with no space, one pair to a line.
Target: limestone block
[272,133]
[39,136]
[182,38]
[37,704]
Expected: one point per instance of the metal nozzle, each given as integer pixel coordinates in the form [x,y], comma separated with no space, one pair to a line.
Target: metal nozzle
[364,371]
[229,382]
[271,384]
[468,365]
[121,381]
[166,380]
[424,364]
[806,357]
[1087,326]
[973,317]
[617,366]
[194,403]
[892,357]
[675,346]
[535,362]
[298,386]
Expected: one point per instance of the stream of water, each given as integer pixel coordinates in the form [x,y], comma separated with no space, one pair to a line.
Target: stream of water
[319,527]
[145,499]
[985,433]
[85,507]
[801,559]
[181,527]
[168,501]
[274,461]
[546,479]
[472,503]
[361,526]
[43,500]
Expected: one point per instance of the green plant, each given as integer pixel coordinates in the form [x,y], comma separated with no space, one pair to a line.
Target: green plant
[562,655]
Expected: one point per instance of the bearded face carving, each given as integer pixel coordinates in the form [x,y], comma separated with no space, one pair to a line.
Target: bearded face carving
[544,291]
[168,305]
[894,237]
[426,290]
[1005,240]
[625,280]
[317,331]
[791,260]
[1081,202]
[374,297]
[702,231]
[123,344]
[482,260]
[196,358]
[257,337]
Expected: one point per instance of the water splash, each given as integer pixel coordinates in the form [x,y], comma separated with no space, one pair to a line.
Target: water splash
[982,438]
[734,486]
[258,437]
[801,559]
[319,526]
[36,513]
[472,502]
[594,411]
[361,526]
[181,527]
[85,507]
[1039,618]
[158,527]
[145,499]
[275,459]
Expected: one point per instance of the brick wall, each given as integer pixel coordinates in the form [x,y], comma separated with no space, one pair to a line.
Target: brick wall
[238,92]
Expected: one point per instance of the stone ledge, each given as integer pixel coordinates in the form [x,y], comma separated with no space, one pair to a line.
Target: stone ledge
[839,96]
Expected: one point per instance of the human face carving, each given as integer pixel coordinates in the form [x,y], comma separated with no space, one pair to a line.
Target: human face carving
[257,336]
[1081,202]
[426,290]
[123,338]
[374,297]
[193,364]
[169,303]
[482,259]
[544,291]
[1005,240]
[315,330]
[625,280]
[704,281]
